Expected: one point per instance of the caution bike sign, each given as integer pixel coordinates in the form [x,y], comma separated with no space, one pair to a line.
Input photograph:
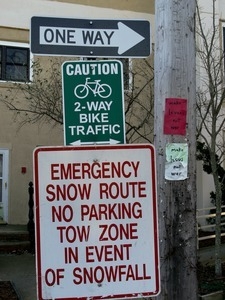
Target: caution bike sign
[93,102]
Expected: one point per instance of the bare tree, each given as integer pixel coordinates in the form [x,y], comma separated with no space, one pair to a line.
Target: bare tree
[41,99]
[139,104]
[211,121]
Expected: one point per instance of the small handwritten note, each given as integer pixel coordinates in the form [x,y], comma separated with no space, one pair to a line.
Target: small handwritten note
[175,116]
[176,161]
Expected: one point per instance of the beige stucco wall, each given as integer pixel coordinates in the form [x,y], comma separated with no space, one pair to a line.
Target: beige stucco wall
[21,142]
[18,15]
[133,5]
[14,27]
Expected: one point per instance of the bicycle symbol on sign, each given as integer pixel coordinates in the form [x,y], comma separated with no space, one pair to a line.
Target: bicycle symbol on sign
[101,89]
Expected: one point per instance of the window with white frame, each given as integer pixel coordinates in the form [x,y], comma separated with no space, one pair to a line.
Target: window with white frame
[224,39]
[223,43]
[14,62]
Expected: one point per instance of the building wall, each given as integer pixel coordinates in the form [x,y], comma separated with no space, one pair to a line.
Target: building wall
[14,27]
[17,15]
[132,5]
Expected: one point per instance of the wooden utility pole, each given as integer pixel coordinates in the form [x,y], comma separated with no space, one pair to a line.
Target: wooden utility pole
[175,78]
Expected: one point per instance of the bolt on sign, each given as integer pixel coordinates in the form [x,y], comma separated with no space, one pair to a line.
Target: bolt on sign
[96,222]
[93,102]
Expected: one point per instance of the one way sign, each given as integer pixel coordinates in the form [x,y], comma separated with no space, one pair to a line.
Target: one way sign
[91,38]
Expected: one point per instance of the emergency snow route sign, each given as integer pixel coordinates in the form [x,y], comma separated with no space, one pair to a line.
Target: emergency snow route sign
[93,102]
[96,222]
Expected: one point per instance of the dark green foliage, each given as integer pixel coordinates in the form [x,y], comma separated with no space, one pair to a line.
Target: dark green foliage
[208,282]
[203,154]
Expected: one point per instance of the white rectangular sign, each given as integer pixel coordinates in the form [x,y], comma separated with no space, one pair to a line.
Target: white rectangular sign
[96,222]
[176,161]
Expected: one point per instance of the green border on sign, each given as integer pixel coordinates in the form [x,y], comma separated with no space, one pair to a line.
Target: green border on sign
[93,102]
